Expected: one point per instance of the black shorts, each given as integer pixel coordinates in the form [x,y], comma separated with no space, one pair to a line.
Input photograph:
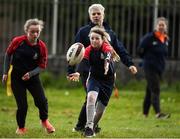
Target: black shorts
[103,87]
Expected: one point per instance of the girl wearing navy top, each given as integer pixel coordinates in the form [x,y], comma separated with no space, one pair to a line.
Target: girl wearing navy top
[100,56]
[97,18]
[153,51]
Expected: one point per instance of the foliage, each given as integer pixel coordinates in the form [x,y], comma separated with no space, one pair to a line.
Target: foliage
[50,80]
[57,81]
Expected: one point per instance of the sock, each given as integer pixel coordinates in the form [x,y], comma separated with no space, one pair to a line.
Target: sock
[90,108]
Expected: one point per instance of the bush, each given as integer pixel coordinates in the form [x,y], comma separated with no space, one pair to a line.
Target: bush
[60,82]
[47,78]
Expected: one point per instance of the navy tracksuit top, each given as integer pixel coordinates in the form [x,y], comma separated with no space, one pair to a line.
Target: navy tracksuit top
[82,37]
[153,52]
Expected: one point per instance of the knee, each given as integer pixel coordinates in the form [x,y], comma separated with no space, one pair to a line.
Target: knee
[156,89]
[23,108]
[39,103]
[91,99]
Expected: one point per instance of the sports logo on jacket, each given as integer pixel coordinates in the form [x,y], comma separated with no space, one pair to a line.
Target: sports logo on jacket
[167,43]
[102,56]
[35,56]
[154,42]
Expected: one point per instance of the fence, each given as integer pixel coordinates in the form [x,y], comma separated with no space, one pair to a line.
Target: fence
[130,19]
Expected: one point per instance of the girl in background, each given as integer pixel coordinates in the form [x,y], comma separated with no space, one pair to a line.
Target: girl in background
[153,50]
[28,56]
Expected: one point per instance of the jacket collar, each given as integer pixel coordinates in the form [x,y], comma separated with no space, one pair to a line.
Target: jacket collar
[160,36]
[105,24]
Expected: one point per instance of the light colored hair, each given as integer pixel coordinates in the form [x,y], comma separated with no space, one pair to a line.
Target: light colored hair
[105,36]
[96,6]
[161,19]
[101,31]
[34,21]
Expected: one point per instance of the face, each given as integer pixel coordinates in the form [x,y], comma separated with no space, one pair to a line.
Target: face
[96,17]
[161,26]
[96,40]
[33,33]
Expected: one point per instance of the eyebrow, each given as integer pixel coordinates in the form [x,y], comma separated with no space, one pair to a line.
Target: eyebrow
[96,13]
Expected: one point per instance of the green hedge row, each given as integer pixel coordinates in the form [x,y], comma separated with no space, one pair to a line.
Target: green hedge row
[60,82]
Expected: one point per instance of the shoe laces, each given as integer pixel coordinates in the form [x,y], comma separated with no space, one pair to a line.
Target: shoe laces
[89,131]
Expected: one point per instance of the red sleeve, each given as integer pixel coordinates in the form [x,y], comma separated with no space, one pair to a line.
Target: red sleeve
[106,47]
[87,52]
[14,44]
[44,54]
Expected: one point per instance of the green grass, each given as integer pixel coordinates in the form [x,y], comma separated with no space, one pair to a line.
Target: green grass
[123,117]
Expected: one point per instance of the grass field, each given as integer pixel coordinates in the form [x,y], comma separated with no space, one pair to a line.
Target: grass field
[123,117]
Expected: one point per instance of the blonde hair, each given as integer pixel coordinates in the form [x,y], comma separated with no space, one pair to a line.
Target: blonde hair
[164,20]
[96,6]
[105,36]
[34,21]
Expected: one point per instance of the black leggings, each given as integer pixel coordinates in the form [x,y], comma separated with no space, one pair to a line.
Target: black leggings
[152,91]
[82,115]
[34,86]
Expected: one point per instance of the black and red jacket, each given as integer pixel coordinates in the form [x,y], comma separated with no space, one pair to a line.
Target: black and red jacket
[96,58]
[25,56]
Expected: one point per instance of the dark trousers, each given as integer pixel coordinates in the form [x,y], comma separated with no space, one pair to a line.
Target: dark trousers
[34,86]
[152,96]
[82,115]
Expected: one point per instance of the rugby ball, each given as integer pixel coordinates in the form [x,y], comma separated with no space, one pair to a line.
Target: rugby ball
[75,54]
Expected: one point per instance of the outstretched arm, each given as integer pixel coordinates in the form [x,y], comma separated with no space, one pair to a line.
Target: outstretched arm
[125,57]
[107,62]
[122,52]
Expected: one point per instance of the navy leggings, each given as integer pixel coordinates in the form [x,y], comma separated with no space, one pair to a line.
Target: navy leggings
[19,88]
[152,96]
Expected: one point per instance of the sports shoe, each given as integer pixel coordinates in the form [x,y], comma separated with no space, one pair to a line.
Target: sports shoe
[97,129]
[89,133]
[21,131]
[47,125]
[163,116]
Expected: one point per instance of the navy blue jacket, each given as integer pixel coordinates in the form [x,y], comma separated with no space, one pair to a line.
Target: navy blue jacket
[153,52]
[82,37]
